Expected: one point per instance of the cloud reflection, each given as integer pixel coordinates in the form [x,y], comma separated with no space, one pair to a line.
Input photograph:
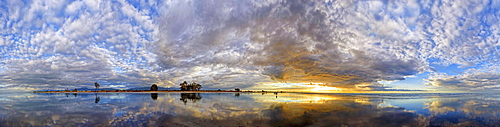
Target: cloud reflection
[229,109]
[486,108]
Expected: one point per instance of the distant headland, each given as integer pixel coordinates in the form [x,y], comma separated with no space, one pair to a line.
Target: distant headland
[184,87]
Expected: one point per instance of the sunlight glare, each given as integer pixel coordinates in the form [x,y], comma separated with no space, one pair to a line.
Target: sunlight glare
[318,88]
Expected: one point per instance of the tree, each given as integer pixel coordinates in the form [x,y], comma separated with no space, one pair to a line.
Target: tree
[189,87]
[184,86]
[96,86]
[198,86]
[192,87]
[154,87]
[237,89]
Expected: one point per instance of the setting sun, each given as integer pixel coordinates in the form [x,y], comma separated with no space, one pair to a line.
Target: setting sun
[322,88]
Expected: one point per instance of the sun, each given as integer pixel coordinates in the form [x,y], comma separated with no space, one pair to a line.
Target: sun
[319,88]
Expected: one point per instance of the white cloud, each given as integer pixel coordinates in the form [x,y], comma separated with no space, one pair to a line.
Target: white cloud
[74,51]
[485,77]
[228,44]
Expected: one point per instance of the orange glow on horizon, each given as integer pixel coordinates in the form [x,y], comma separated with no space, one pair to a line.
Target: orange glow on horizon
[322,88]
[318,88]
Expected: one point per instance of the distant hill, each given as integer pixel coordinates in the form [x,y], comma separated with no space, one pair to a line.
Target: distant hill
[92,89]
[149,88]
[112,89]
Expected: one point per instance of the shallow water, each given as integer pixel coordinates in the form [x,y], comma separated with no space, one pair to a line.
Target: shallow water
[243,109]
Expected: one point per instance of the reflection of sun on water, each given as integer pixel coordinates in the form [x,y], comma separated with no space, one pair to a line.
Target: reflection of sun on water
[296,98]
[362,101]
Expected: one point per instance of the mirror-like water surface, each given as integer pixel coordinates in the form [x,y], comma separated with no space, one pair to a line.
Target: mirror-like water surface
[244,109]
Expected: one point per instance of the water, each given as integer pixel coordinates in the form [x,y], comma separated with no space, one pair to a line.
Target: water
[255,109]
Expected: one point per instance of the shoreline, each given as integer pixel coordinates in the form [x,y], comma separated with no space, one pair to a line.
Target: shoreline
[159,91]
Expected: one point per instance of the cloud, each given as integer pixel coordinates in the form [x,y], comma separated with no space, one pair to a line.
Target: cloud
[379,87]
[225,44]
[483,79]
[48,47]
[295,41]
[338,43]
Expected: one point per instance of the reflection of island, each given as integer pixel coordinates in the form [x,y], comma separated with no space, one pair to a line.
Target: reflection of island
[190,96]
[154,96]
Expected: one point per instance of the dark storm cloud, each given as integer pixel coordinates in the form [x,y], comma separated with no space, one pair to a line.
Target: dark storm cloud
[287,41]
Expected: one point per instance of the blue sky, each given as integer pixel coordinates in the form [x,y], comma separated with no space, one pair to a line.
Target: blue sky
[254,44]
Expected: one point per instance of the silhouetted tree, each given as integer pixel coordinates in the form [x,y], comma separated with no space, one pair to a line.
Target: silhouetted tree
[154,96]
[184,86]
[96,86]
[237,89]
[154,87]
[198,86]
[189,87]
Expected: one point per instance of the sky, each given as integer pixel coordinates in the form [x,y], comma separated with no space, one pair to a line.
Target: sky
[347,45]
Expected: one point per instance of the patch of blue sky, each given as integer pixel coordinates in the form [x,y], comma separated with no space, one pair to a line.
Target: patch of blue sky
[329,3]
[452,69]
[117,69]
[136,4]
[140,6]
[410,83]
